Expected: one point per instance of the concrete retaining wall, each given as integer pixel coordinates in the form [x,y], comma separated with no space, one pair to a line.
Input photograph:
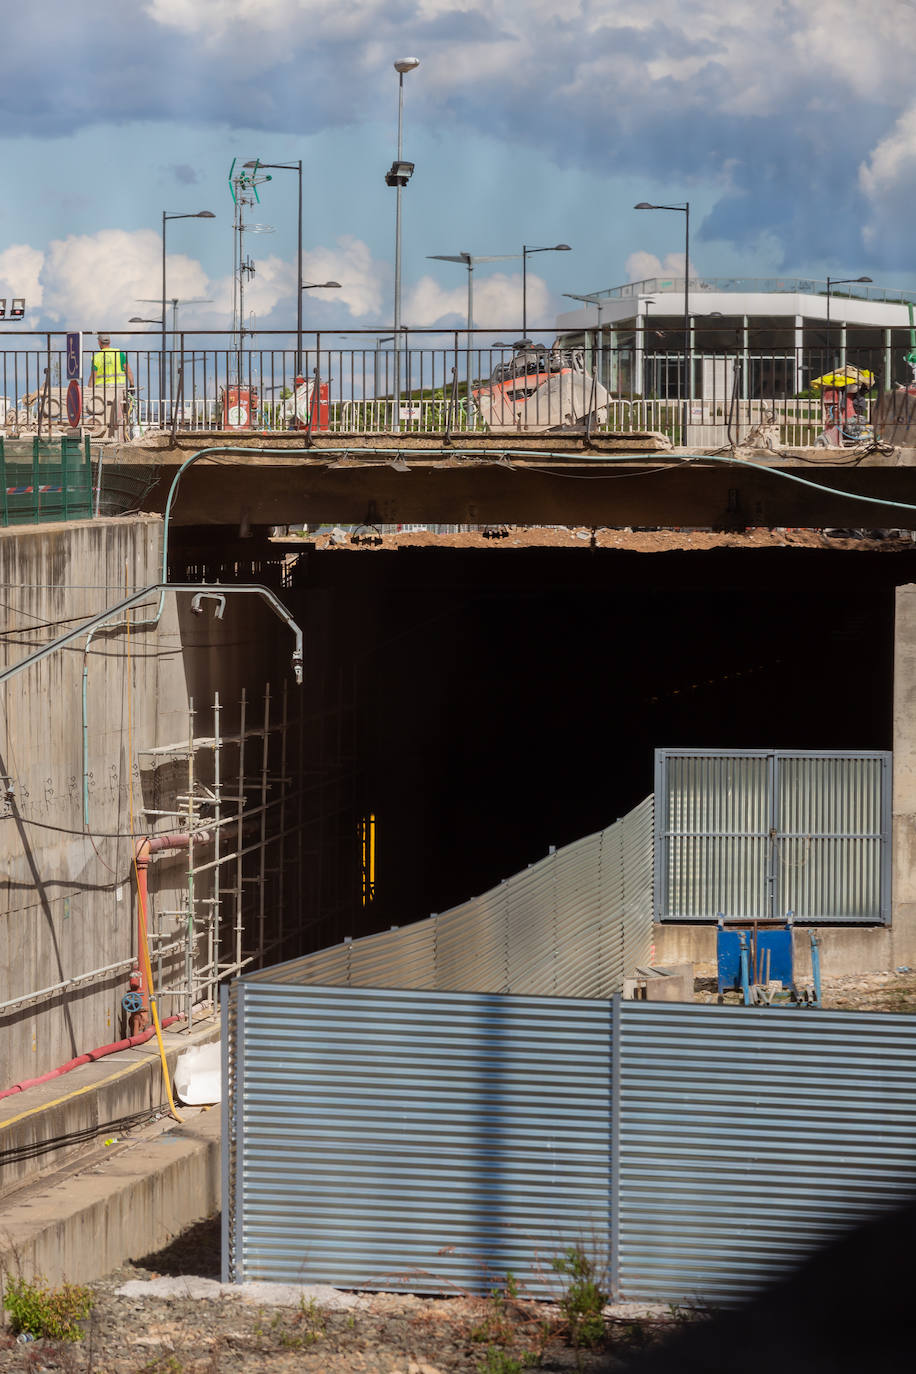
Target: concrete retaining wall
[67,903]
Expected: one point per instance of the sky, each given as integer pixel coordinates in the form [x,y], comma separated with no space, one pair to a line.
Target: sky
[789,127]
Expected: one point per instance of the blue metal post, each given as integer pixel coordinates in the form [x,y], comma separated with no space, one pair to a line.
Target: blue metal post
[745,973]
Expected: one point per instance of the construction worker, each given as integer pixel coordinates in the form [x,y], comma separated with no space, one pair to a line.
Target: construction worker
[110,367]
[111,374]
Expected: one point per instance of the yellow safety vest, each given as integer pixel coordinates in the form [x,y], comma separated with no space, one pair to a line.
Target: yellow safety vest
[109,366]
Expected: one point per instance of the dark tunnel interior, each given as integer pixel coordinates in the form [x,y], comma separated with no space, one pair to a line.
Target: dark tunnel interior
[512,700]
[505,700]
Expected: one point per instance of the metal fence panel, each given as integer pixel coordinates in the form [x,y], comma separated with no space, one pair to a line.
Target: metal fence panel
[757,833]
[394,1140]
[44,480]
[575,924]
[750,1136]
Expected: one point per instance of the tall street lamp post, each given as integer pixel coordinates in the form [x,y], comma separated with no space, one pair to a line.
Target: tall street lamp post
[838,281]
[526,254]
[291,167]
[166,216]
[398,176]
[688,360]
[599,303]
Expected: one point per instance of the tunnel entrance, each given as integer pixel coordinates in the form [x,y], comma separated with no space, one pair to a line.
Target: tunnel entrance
[507,700]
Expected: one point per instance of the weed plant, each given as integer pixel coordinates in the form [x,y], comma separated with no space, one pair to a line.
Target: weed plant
[40,1311]
[584,1297]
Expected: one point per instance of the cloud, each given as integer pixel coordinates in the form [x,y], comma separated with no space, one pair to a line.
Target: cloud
[775,107]
[102,277]
[497,302]
[184,174]
[642,265]
[362,279]
[887,179]
[108,277]
[20,275]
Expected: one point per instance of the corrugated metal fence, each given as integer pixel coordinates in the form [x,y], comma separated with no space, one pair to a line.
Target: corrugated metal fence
[419,1140]
[575,924]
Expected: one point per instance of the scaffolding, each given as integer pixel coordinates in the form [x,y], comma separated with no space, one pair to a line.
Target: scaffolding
[268,868]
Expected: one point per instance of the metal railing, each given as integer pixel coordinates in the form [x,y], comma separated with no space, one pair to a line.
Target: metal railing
[458,383]
[799,286]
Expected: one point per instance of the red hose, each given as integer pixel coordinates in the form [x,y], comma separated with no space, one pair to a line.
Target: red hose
[146,847]
[89,1057]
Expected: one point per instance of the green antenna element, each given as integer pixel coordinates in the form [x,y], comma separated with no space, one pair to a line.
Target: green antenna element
[246,181]
[231,186]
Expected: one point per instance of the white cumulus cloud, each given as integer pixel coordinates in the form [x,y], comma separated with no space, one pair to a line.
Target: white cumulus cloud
[641,265]
[20,275]
[497,302]
[102,278]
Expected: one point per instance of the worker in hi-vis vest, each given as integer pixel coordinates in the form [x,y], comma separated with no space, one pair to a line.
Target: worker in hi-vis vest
[110,367]
[111,387]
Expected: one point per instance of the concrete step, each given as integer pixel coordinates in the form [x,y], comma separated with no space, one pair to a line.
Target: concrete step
[98,1213]
[52,1123]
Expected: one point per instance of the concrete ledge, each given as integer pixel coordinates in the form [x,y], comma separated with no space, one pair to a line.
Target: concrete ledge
[77,1107]
[843,949]
[119,1209]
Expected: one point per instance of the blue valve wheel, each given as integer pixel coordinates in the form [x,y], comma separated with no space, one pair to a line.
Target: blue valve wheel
[132,1001]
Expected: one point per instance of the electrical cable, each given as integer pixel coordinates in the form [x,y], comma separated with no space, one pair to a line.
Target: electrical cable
[688,459]
[34,1149]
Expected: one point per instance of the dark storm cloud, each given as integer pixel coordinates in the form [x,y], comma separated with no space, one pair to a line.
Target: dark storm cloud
[670,93]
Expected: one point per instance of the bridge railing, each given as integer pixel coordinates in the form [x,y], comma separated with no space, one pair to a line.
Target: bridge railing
[434,384]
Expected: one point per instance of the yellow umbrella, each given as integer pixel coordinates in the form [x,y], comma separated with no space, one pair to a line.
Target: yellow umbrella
[846,376]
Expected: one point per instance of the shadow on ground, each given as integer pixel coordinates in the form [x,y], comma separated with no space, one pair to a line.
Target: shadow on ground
[196,1251]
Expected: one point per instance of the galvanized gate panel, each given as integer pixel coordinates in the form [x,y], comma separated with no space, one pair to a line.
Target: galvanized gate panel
[396,1139]
[758,833]
[748,1137]
[713,817]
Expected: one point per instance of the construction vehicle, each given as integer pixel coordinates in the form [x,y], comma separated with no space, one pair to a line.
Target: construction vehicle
[540,389]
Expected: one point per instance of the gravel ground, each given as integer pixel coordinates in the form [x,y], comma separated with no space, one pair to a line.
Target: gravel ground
[892,991]
[168,1314]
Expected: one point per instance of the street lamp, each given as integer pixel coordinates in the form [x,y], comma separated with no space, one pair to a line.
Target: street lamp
[318,285]
[166,215]
[685,211]
[291,167]
[470,260]
[838,281]
[526,253]
[599,303]
[398,176]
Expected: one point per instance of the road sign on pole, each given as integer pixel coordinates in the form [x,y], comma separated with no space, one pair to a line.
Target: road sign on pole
[74,402]
[74,356]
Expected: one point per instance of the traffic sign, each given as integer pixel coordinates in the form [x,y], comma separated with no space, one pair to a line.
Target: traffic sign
[74,401]
[74,356]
